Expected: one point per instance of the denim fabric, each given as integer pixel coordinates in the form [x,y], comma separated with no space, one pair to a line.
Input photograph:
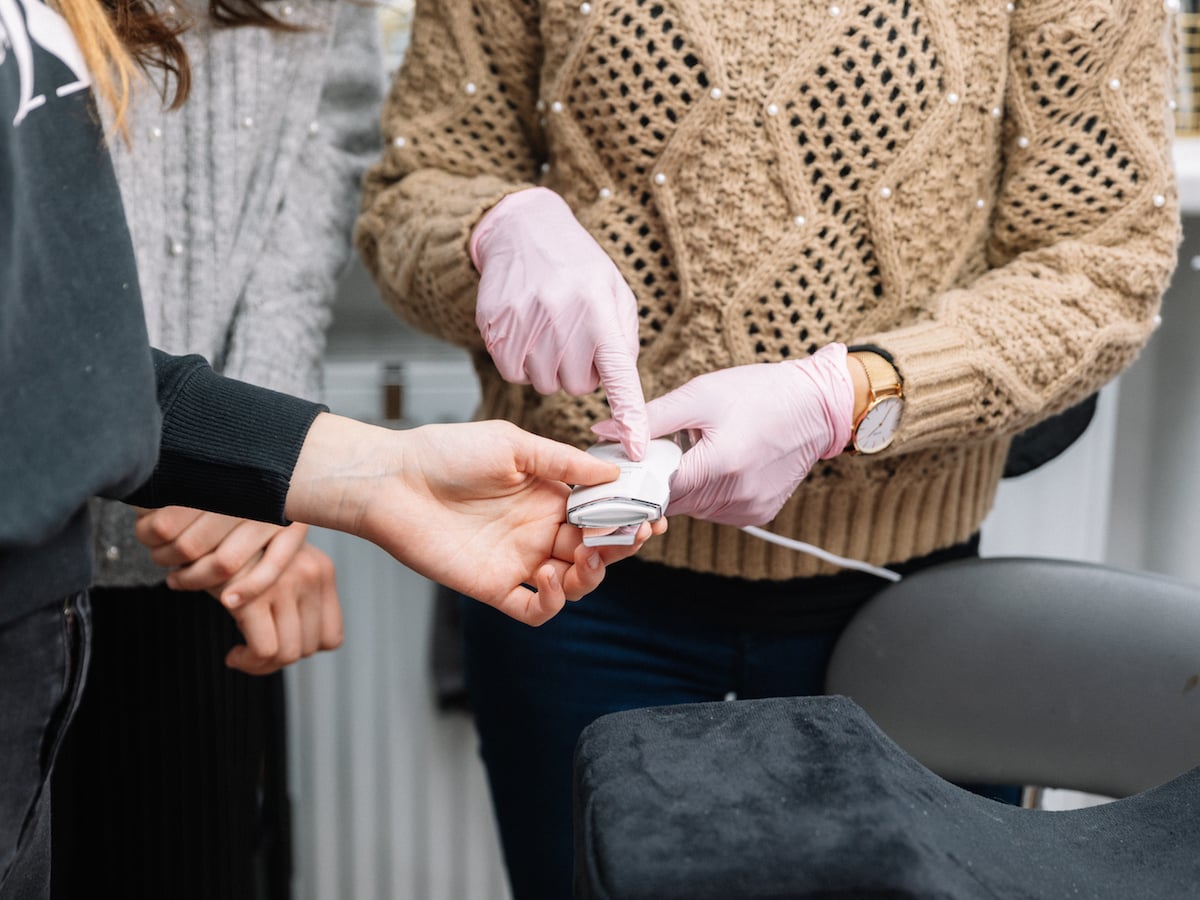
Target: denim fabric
[534,690]
[43,661]
[649,636]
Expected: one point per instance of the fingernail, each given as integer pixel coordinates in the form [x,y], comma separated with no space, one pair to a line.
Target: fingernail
[231,601]
[593,560]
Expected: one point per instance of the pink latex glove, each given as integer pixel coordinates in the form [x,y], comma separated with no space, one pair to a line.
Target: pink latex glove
[554,310]
[756,431]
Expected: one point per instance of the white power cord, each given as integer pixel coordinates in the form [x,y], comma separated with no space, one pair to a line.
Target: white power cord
[821,554]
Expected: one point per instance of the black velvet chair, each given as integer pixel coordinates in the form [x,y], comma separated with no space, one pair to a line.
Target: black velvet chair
[1019,671]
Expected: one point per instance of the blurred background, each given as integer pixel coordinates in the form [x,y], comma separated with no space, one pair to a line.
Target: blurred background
[389,799]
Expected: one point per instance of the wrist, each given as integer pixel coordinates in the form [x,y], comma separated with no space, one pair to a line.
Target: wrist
[861,383]
[506,206]
[876,421]
[829,372]
[332,479]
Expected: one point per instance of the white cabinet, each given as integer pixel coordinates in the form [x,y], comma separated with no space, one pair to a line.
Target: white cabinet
[1155,518]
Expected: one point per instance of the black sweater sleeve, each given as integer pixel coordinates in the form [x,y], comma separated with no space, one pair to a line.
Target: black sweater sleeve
[78,382]
[227,446]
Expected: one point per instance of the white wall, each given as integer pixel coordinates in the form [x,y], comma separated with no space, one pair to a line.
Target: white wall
[1061,509]
[1155,518]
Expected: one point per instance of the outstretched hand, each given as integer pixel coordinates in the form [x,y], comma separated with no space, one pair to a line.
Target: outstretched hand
[479,508]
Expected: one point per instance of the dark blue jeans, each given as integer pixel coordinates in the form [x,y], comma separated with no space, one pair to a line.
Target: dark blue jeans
[43,661]
[649,636]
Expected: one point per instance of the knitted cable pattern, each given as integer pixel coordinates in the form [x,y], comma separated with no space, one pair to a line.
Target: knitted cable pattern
[982,188]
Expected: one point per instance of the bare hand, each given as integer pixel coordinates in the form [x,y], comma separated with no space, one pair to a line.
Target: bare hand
[296,616]
[279,589]
[207,549]
[480,507]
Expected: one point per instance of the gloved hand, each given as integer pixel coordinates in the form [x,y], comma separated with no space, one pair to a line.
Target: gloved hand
[554,310]
[756,431]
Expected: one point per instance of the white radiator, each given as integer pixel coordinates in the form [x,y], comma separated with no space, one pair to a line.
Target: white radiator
[389,797]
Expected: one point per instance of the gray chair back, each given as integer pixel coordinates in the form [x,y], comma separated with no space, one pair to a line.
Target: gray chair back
[1032,671]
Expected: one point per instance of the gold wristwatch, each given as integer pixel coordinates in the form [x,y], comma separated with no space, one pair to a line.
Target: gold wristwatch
[875,429]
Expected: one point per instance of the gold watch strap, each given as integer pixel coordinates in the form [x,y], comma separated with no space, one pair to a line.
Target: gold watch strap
[882,378]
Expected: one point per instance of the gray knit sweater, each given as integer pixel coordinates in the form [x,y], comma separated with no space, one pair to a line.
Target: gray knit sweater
[241,206]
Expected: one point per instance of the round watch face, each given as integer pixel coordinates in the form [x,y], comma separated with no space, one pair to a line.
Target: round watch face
[878,426]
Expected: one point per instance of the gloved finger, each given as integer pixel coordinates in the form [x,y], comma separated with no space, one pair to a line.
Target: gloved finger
[608,430]
[578,377]
[679,410]
[623,386]
[499,334]
[684,410]
[630,320]
[693,480]
[541,369]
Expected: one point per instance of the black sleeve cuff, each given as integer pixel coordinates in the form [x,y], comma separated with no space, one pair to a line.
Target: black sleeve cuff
[227,446]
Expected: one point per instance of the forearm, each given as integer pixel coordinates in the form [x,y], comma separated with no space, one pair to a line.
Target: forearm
[862,386]
[413,237]
[1084,231]
[460,132]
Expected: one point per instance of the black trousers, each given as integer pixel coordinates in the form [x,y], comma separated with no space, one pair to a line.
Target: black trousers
[171,781]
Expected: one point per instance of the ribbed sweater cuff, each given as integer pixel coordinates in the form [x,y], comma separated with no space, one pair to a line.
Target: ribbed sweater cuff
[449,260]
[228,446]
[939,382]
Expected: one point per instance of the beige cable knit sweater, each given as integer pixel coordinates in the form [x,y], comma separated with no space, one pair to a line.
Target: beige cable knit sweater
[983,189]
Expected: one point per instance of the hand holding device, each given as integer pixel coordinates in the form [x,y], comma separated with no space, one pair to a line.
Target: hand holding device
[610,513]
[479,507]
[756,431]
[554,310]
